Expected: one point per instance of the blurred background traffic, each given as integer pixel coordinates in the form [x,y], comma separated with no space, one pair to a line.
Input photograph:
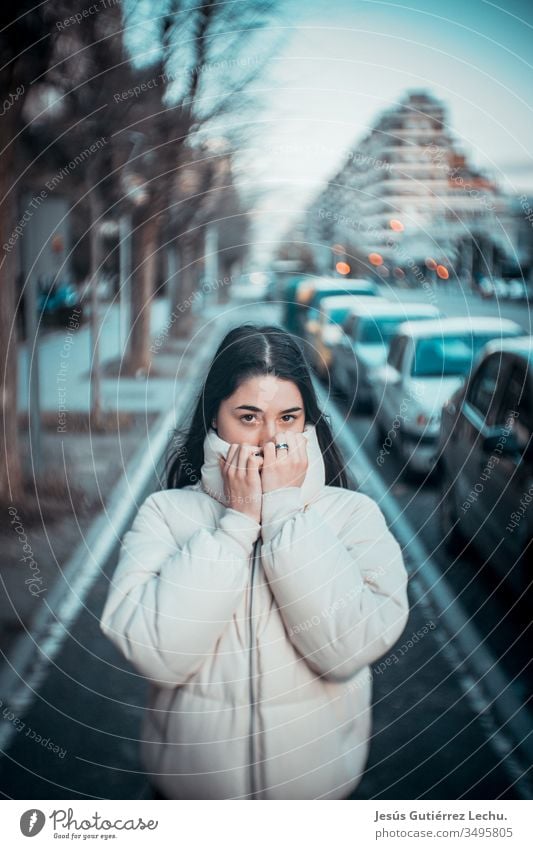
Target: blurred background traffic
[360,175]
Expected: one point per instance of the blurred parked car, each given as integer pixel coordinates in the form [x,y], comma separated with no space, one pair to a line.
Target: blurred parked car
[518,290]
[486,459]
[331,315]
[311,292]
[427,362]
[293,311]
[485,287]
[364,343]
[56,300]
[281,271]
[250,287]
[501,288]
[105,288]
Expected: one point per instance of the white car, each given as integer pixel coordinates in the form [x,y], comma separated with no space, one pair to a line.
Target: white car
[364,343]
[326,329]
[427,362]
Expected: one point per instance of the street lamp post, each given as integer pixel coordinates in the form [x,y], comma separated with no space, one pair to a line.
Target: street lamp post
[124,297]
[32,348]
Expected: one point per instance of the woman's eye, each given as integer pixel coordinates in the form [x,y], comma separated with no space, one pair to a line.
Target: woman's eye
[247,416]
[289,416]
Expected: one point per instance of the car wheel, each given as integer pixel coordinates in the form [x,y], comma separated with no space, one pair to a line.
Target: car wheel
[449,523]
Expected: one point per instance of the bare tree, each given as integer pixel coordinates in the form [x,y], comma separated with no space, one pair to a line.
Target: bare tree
[183,174]
[92,75]
[88,65]
[88,70]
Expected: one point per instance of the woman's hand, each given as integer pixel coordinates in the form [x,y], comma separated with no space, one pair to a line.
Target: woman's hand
[281,467]
[242,481]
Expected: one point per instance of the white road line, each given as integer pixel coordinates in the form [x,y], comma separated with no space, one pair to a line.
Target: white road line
[489,692]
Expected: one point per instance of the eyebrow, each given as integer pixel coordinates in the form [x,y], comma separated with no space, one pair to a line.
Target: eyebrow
[259,410]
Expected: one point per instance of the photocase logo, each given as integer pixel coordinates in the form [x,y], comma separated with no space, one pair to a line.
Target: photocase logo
[32,822]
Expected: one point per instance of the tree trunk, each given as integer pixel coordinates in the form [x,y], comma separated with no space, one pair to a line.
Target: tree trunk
[11,479]
[172,275]
[182,327]
[224,287]
[144,269]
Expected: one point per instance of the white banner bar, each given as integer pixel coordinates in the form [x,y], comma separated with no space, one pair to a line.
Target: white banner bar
[268,825]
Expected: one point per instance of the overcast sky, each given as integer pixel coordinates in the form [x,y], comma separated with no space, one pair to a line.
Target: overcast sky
[344,61]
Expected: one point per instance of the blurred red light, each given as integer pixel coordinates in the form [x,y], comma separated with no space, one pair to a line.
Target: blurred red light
[396,225]
[343,268]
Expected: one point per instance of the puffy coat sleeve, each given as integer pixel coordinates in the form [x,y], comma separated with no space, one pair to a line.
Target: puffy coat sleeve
[167,604]
[343,597]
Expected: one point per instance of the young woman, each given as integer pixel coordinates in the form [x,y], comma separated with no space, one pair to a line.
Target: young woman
[255,591]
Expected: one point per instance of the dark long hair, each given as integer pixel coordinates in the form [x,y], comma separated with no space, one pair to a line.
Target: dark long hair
[250,351]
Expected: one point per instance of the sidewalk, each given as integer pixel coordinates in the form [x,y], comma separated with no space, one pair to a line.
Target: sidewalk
[64,365]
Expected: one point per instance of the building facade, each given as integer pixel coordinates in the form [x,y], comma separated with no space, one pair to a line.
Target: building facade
[407,204]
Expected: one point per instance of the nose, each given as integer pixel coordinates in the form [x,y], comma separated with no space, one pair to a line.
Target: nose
[268,434]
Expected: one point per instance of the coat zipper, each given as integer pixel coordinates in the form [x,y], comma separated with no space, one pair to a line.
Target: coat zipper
[251,673]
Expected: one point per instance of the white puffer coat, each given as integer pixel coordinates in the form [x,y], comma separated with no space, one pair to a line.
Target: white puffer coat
[256,638]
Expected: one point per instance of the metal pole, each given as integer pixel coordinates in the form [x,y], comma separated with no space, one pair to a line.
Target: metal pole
[34,402]
[95,405]
[172,275]
[124,292]
[211,256]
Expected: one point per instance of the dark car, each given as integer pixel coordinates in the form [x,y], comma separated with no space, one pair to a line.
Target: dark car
[486,460]
[294,311]
[56,299]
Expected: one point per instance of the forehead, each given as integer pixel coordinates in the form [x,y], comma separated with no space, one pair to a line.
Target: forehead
[267,391]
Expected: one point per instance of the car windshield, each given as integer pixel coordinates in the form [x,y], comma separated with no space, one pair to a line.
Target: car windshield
[380,329]
[448,356]
[338,315]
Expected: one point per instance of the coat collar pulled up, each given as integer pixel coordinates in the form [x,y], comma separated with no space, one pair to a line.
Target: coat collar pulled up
[215,447]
